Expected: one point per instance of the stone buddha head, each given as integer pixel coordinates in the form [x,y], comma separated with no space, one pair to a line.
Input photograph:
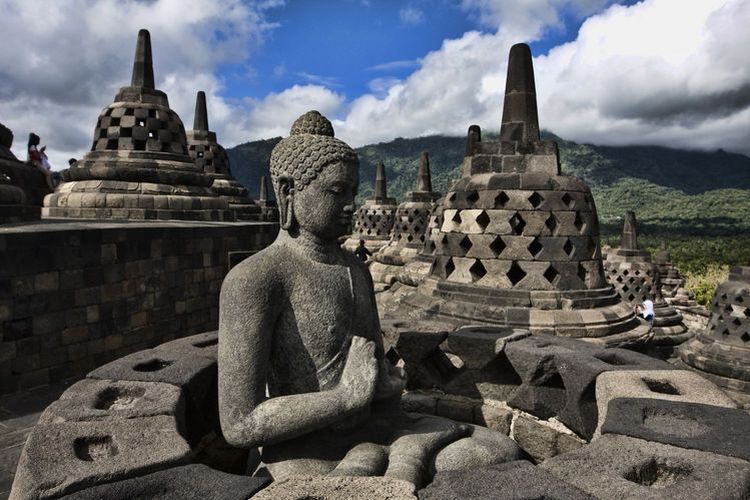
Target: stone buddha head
[315,177]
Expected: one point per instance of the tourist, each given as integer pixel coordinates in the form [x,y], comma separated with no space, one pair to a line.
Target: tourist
[38,158]
[362,252]
[646,311]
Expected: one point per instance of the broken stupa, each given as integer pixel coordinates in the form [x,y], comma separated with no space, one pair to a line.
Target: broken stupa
[211,157]
[374,220]
[269,208]
[630,270]
[409,230]
[721,352]
[22,187]
[138,166]
[519,244]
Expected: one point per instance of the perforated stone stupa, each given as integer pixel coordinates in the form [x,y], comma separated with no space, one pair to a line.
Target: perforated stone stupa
[410,226]
[16,204]
[519,243]
[630,270]
[138,166]
[374,220]
[269,208]
[211,157]
[721,353]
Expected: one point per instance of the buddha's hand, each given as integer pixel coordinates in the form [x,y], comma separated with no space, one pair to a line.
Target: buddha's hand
[391,381]
[360,374]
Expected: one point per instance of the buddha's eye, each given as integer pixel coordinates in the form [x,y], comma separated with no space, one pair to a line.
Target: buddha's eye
[335,190]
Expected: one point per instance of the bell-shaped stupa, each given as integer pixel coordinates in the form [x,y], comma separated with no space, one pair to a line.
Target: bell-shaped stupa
[630,270]
[409,227]
[138,166]
[211,157]
[374,220]
[519,242]
[721,352]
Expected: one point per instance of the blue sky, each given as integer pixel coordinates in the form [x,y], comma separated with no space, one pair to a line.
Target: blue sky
[663,72]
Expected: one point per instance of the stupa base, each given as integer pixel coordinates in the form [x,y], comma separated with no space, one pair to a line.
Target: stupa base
[722,364]
[11,214]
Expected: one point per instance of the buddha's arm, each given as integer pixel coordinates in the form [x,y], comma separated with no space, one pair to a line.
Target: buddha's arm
[247,318]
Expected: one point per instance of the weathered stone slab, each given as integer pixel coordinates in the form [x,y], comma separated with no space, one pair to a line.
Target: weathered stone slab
[491,446]
[204,344]
[725,431]
[337,488]
[673,385]
[518,480]
[92,399]
[189,481]
[558,377]
[542,441]
[70,456]
[624,467]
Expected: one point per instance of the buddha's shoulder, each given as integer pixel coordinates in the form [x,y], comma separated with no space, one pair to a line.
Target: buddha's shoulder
[265,269]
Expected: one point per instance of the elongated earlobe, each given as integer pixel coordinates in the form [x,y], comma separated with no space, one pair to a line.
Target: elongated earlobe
[286,202]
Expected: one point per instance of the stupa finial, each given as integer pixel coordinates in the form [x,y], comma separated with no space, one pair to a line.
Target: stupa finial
[143,66]
[520,116]
[200,122]
[472,138]
[629,239]
[380,189]
[424,180]
[263,189]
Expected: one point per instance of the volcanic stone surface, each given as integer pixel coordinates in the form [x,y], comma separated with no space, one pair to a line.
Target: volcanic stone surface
[518,480]
[337,488]
[724,431]
[624,467]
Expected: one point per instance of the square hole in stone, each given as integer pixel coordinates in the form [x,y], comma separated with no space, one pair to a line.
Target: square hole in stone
[535,247]
[661,386]
[515,274]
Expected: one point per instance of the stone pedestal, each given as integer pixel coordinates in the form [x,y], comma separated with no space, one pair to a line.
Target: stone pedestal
[519,242]
[138,166]
[374,220]
[721,352]
[410,226]
[211,157]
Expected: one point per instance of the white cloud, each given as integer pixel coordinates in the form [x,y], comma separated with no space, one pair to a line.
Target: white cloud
[64,61]
[391,65]
[411,15]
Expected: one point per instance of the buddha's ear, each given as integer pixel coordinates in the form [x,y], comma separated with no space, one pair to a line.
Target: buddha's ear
[286,201]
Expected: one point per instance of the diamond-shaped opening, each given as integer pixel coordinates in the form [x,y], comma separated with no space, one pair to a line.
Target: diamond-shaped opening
[472,197]
[582,274]
[568,200]
[449,267]
[551,274]
[637,272]
[625,288]
[745,337]
[515,274]
[465,244]
[483,220]
[452,196]
[477,270]
[725,332]
[517,224]
[619,279]
[535,248]
[728,308]
[536,199]
[723,296]
[578,222]
[739,299]
[501,199]
[625,272]
[409,238]
[551,223]
[631,297]
[737,321]
[568,248]
[457,217]
[497,246]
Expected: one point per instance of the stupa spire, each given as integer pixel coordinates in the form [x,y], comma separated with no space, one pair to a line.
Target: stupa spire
[143,66]
[424,180]
[520,116]
[263,189]
[200,122]
[380,188]
[472,138]
[629,239]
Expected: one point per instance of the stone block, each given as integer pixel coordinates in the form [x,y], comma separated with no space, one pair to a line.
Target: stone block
[188,481]
[92,399]
[720,430]
[493,417]
[517,480]
[203,344]
[337,488]
[624,467]
[66,457]
[673,385]
[542,441]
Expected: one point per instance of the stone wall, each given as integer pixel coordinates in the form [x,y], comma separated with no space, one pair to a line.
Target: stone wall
[75,295]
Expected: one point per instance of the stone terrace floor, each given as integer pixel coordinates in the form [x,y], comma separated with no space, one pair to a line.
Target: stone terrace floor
[19,413]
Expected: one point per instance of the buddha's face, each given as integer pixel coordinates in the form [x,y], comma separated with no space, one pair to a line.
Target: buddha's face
[325,206]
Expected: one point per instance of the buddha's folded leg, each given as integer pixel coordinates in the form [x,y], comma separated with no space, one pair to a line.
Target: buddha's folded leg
[483,447]
[411,453]
[365,459]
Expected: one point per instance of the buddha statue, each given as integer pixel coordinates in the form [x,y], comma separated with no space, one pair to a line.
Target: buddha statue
[302,369]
